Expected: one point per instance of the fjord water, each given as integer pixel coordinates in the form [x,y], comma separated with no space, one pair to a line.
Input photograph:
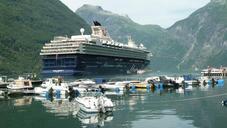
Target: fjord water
[199,108]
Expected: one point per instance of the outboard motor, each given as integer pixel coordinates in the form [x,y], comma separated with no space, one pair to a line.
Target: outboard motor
[51,92]
[101,89]
[71,92]
[224,102]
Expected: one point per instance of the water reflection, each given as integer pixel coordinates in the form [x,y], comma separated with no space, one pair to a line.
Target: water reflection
[64,107]
[199,107]
[166,108]
[27,100]
[97,119]
[61,107]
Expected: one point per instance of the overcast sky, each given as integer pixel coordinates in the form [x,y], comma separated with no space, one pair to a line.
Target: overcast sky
[161,12]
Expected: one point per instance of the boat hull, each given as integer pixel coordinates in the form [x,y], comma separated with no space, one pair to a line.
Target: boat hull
[84,64]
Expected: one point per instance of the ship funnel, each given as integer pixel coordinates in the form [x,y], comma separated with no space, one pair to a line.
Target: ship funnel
[82,31]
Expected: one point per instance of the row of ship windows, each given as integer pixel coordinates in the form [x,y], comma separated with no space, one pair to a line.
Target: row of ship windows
[105,64]
[56,62]
[59,64]
[53,65]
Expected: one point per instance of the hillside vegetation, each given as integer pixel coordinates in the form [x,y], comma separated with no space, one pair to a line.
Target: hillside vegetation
[205,34]
[26,25]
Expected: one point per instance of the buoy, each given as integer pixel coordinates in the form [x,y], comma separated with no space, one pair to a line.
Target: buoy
[133,87]
[221,81]
[209,82]
[161,85]
[148,87]
[58,94]
[117,89]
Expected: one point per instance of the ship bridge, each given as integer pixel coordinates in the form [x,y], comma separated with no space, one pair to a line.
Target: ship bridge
[99,31]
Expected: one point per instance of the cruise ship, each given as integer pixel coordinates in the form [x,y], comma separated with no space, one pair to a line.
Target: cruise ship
[92,54]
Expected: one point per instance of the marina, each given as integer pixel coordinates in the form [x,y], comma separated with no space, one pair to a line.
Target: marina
[131,108]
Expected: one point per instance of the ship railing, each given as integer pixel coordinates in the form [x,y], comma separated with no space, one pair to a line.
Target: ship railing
[55,47]
[57,50]
[65,43]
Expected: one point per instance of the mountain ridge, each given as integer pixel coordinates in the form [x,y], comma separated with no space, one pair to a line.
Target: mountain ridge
[154,37]
[204,32]
[186,37]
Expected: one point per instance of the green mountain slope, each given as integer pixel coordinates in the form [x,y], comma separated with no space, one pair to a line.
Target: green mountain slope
[204,33]
[25,25]
[156,39]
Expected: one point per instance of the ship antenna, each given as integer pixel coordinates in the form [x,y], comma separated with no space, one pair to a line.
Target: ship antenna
[129,38]
[82,31]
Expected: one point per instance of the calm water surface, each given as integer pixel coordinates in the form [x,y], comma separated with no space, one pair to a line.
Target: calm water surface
[200,108]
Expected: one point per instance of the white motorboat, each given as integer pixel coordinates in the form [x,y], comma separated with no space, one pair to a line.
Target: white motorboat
[20,84]
[114,93]
[56,84]
[85,83]
[115,86]
[95,104]
[185,79]
[3,81]
[179,80]
[192,82]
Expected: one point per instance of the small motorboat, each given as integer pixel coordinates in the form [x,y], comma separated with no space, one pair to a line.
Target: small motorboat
[115,86]
[95,104]
[20,84]
[52,85]
[138,84]
[190,80]
[84,83]
[3,81]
